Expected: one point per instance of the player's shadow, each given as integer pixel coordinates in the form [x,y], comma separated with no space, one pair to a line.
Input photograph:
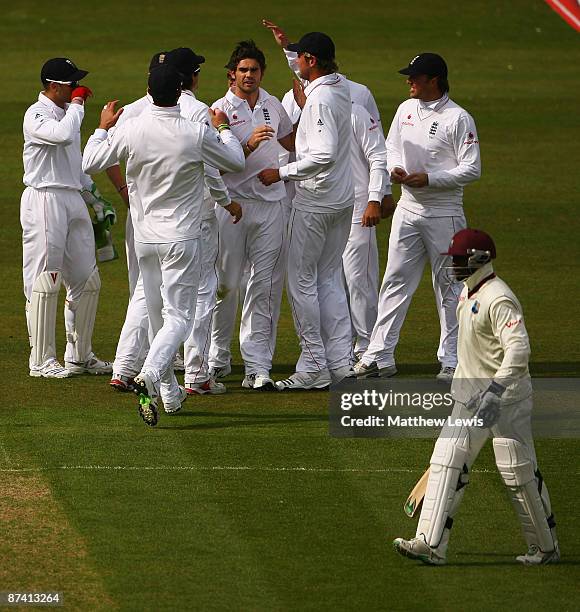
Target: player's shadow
[245,420]
[495,559]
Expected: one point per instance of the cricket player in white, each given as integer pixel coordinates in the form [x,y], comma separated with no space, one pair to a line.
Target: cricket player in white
[433,152]
[320,220]
[196,350]
[491,384]
[57,234]
[373,201]
[133,343]
[165,154]
[259,122]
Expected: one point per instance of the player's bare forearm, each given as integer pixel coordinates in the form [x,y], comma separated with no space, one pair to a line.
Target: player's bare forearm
[388,206]
[119,183]
[279,35]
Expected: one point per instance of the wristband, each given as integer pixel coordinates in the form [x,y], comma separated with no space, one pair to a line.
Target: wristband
[223,126]
[121,188]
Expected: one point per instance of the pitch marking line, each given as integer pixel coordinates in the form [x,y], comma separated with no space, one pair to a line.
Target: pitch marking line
[225,468]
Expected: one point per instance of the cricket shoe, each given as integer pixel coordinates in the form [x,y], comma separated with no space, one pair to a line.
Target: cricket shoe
[50,369]
[175,405]
[259,382]
[535,556]
[148,397]
[417,548]
[338,374]
[362,370]
[178,363]
[209,387]
[122,383]
[446,375]
[305,381]
[220,371]
[93,365]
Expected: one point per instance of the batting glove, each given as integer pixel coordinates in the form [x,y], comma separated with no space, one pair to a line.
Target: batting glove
[102,208]
[81,92]
[487,405]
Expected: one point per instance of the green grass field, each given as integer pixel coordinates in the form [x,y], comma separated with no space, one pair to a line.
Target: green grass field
[244,502]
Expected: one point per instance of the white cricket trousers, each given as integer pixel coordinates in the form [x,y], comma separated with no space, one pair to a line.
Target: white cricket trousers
[316,290]
[360,262]
[57,235]
[414,240]
[196,349]
[258,239]
[170,274]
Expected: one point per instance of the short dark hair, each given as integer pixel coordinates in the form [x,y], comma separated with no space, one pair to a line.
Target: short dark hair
[442,83]
[246,49]
[327,65]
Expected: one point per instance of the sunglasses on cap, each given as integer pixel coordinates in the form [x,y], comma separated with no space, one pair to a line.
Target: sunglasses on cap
[72,84]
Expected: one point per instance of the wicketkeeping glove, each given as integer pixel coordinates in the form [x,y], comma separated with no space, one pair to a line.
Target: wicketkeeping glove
[106,250]
[487,405]
[81,92]
[102,208]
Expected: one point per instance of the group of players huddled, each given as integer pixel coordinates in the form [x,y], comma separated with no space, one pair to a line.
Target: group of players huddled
[229,203]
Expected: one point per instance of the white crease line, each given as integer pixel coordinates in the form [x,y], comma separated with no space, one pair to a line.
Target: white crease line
[226,468]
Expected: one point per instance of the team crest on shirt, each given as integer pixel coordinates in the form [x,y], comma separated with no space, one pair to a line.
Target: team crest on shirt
[470,138]
[266,114]
[433,128]
[475,307]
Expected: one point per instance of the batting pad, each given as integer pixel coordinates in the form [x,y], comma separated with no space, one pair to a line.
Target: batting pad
[442,496]
[42,317]
[79,319]
[531,504]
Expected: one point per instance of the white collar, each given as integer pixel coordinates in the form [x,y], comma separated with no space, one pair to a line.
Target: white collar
[235,101]
[434,104]
[48,102]
[166,110]
[326,79]
[476,278]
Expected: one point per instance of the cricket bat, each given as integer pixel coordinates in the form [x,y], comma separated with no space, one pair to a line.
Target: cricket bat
[416,496]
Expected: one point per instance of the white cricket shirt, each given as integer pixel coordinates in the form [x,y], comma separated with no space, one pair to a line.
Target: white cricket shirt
[440,139]
[164,155]
[369,161]
[52,146]
[492,341]
[243,120]
[214,189]
[323,148]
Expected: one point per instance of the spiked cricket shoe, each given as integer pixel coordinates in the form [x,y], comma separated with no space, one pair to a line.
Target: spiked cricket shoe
[417,548]
[148,396]
[50,369]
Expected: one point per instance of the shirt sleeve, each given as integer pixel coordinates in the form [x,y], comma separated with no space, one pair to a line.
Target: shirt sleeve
[508,327]
[393,144]
[286,126]
[466,146]
[104,150]
[370,139]
[321,134]
[215,184]
[373,109]
[44,129]
[222,151]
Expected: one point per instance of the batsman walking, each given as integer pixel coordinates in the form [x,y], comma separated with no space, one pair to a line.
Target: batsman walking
[492,385]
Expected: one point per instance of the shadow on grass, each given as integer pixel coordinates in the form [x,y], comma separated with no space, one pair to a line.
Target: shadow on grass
[242,420]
